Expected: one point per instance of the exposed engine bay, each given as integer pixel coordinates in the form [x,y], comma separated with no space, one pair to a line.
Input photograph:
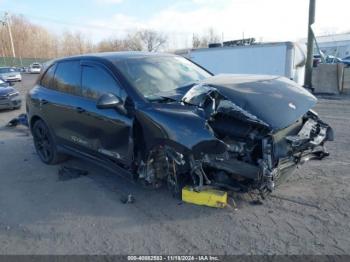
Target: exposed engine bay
[251,153]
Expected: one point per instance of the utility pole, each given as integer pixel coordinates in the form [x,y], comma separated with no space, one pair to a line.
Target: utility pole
[6,22]
[310,45]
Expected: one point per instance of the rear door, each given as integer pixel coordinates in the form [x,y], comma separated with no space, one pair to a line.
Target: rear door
[60,100]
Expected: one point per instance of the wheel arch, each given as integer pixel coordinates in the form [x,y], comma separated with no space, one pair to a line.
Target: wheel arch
[33,120]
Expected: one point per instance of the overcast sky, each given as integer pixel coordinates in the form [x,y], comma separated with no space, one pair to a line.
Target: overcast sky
[267,20]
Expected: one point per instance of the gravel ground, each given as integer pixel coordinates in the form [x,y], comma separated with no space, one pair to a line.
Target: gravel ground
[40,214]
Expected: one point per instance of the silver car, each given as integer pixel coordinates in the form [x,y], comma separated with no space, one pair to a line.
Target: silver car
[10,74]
[35,68]
[9,96]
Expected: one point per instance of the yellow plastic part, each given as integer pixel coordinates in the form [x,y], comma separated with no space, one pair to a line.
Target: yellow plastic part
[206,197]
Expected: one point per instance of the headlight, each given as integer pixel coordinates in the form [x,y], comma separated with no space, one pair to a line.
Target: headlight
[13,94]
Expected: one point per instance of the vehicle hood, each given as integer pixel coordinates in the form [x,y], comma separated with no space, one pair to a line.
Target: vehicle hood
[275,100]
[6,90]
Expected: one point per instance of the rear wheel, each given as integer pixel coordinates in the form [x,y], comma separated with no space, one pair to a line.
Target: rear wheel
[45,145]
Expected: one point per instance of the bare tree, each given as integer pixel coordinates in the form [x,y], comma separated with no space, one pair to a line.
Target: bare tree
[196,41]
[152,40]
[209,37]
[112,44]
[133,42]
[35,41]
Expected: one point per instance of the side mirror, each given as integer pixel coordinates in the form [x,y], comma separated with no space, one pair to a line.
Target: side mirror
[11,83]
[108,101]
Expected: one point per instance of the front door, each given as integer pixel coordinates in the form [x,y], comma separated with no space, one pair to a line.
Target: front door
[103,132]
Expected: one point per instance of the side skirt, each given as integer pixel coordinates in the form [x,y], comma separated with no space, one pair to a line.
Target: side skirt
[108,165]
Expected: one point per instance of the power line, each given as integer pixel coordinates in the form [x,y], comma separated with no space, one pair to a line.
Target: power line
[57,21]
[81,25]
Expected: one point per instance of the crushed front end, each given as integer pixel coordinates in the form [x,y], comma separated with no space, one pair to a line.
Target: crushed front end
[237,133]
[257,157]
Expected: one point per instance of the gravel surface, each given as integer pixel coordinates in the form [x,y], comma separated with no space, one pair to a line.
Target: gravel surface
[42,214]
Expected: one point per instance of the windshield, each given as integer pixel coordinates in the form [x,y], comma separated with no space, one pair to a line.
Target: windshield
[36,66]
[152,75]
[7,70]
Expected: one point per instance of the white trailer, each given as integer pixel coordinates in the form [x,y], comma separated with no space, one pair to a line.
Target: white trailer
[281,58]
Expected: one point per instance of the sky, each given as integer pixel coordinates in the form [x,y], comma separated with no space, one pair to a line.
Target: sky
[265,20]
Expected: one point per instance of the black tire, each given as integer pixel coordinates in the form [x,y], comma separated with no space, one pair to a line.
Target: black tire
[45,145]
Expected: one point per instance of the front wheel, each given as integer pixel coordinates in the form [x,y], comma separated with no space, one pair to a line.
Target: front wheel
[45,145]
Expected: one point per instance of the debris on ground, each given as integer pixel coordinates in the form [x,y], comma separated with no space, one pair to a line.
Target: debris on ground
[20,120]
[297,201]
[129,199]
[256,202]
[232,203]
[68,173]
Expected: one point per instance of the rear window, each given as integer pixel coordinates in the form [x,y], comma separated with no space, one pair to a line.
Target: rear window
[67,77]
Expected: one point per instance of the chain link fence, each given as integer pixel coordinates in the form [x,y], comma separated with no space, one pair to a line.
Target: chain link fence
[20,62]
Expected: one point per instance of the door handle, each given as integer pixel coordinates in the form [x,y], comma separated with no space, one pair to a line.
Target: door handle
[43,101]
[80,110]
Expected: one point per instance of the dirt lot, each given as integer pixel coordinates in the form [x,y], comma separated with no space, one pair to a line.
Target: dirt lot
[39,214]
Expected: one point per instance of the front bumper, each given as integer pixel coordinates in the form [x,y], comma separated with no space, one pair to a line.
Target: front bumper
[10,102]
[305,145]
[13,78]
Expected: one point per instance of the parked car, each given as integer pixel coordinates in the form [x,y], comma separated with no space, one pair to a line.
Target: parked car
[35,68]
[330,59]
[10,74]
[167,120]
[346,60]
[22,69]
[9,96]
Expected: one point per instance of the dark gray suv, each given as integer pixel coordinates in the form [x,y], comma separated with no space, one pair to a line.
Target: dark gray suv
[167,120]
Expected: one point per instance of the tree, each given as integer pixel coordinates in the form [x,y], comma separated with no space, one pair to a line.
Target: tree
[152,40]
[196,41]
[145,40]
[133,42]
[209,37]
[111,44]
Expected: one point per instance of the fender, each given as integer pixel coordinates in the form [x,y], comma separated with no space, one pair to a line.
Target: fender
[184,129]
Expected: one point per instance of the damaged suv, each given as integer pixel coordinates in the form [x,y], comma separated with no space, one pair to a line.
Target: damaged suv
[168,121]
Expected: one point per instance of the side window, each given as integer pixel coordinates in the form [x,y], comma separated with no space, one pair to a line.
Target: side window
[46,81]
[67,77]
[96,81]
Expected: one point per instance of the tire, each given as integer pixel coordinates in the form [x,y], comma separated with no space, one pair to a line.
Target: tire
[45,145]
